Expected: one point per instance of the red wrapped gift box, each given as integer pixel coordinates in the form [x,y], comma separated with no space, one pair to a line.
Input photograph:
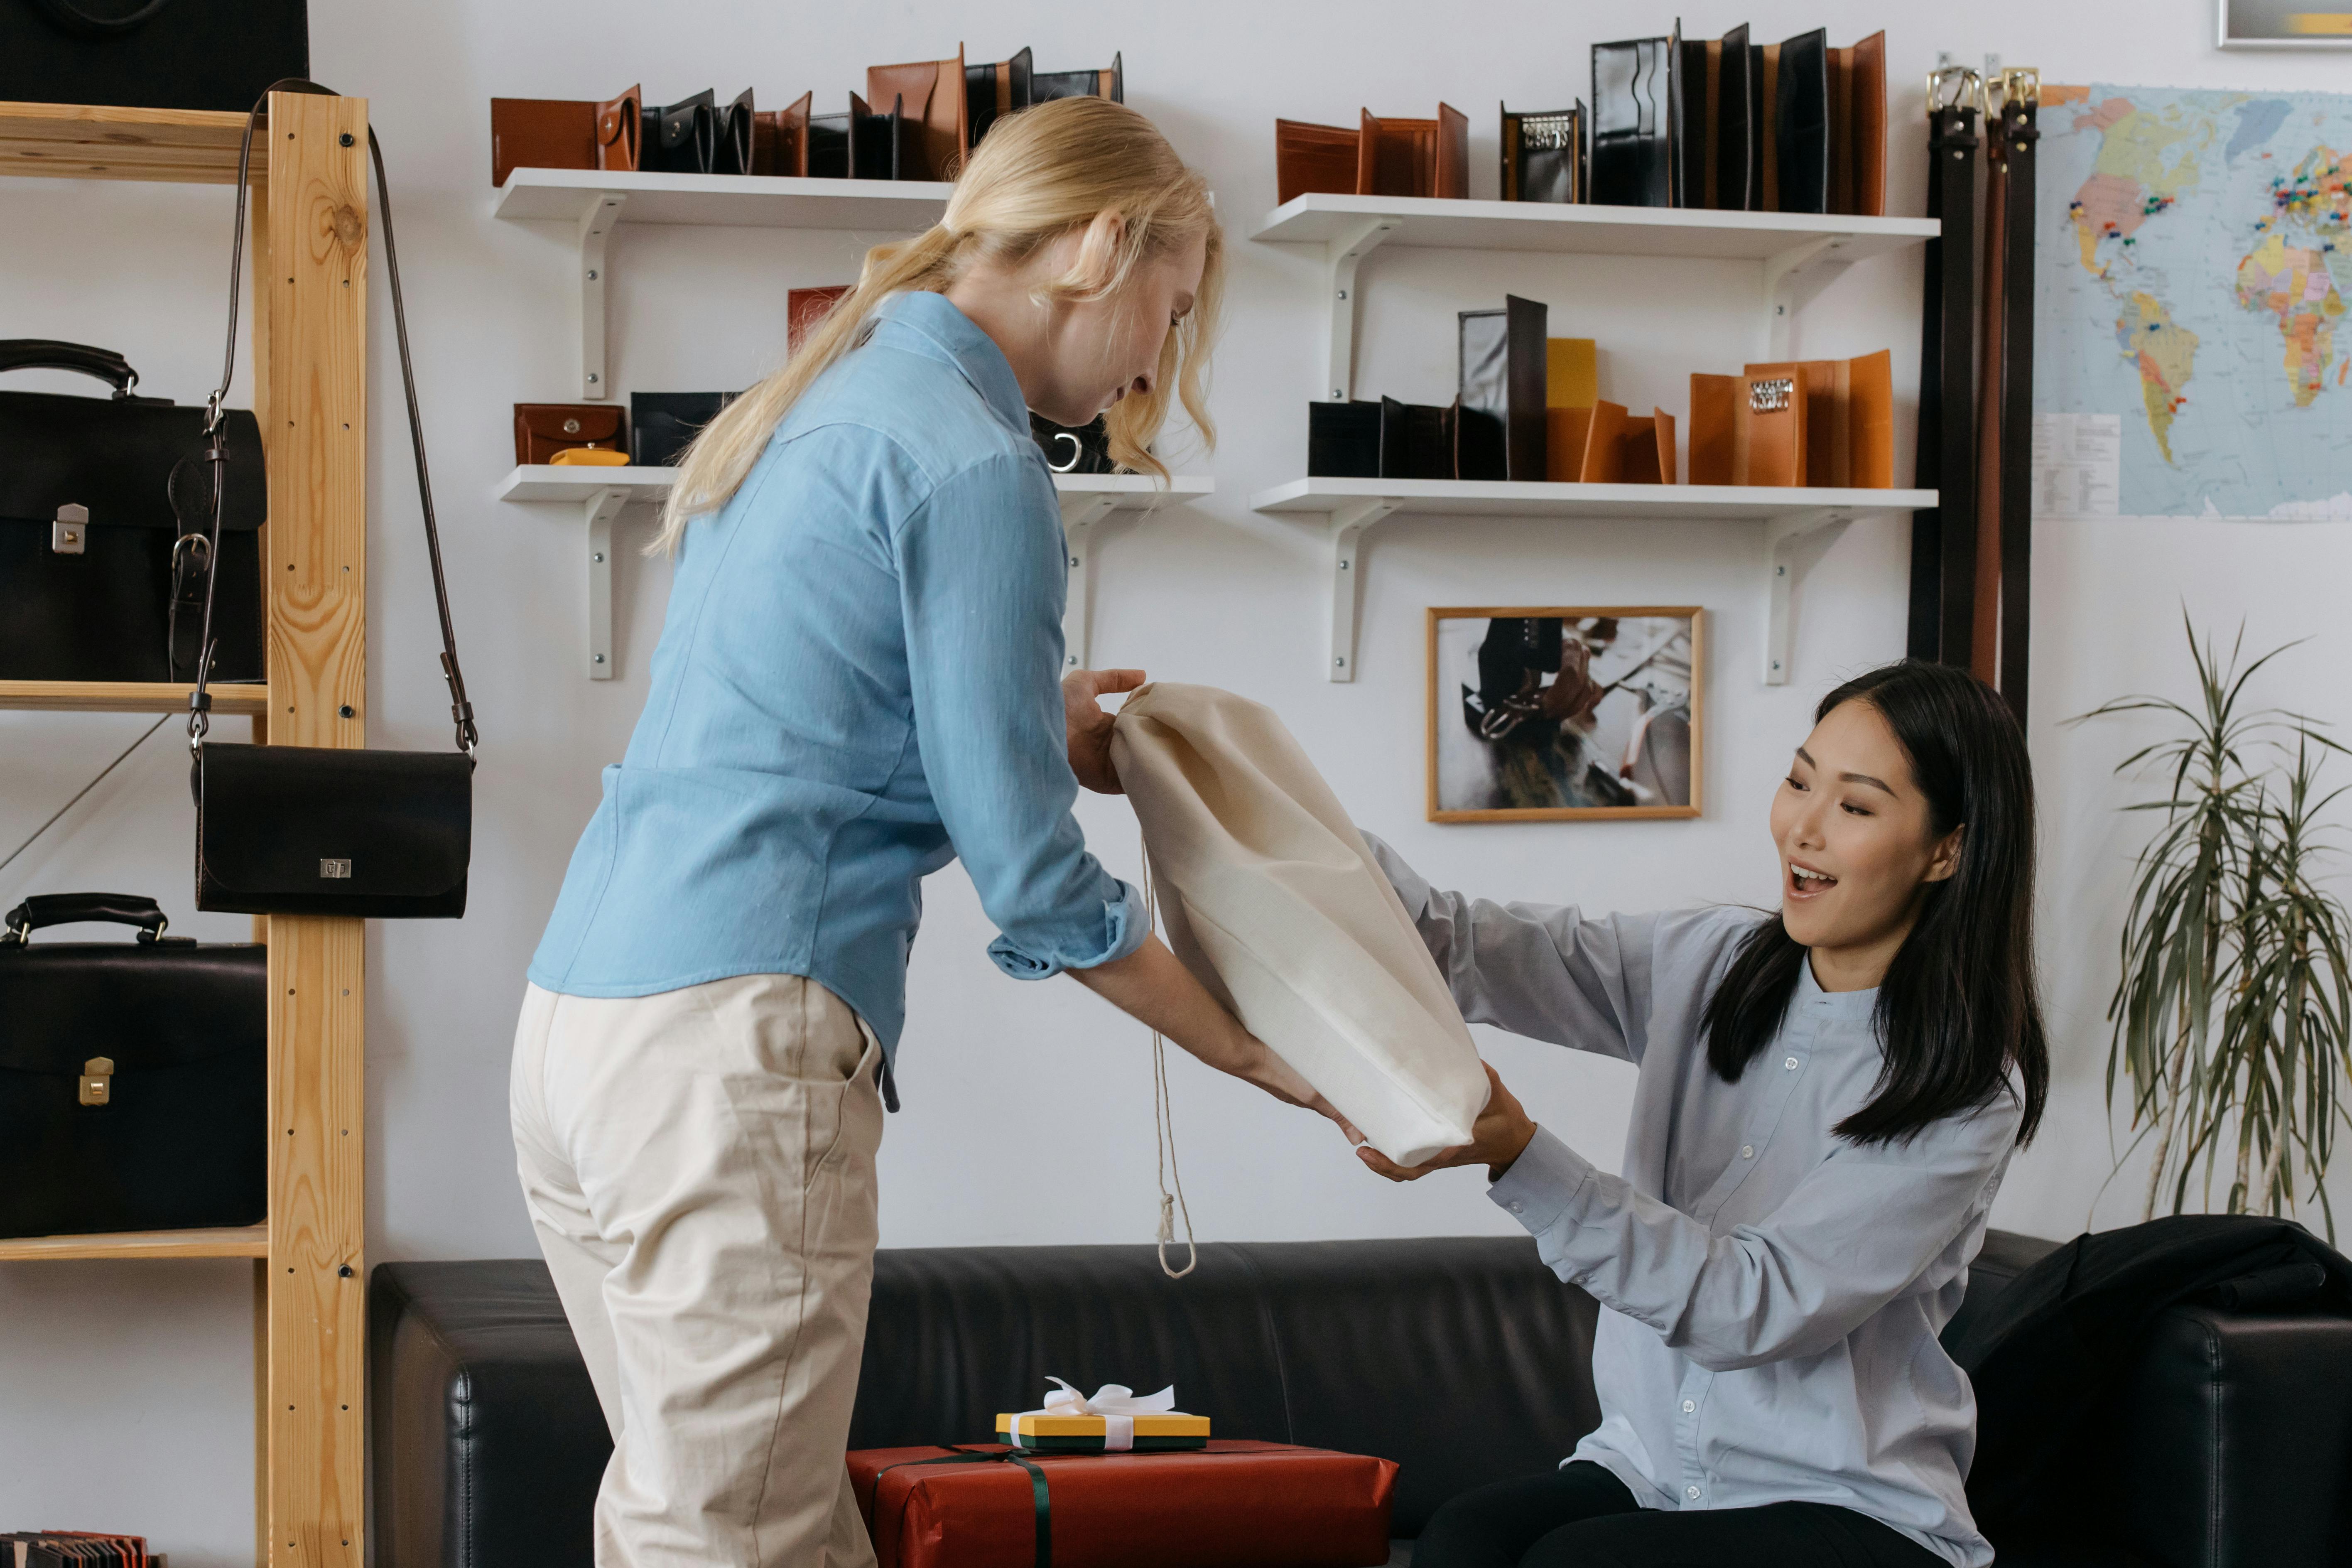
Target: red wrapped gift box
[1235,1505]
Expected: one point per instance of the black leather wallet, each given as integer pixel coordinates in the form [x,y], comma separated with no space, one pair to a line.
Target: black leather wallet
[731,137]
[684,138]
[1632,123]
[661,424]
[877,141]
[1047,85]
[1343,440]
[1499,430]
[1736,173]
[992,91]
[1074,448]
[1543,156]
[1416,441]
[1800,123]
[828,146]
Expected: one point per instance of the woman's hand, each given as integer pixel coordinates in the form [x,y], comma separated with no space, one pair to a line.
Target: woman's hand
[1090,727]
[1497,1138]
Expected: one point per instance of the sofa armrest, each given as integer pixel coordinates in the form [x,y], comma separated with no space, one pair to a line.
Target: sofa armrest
[2237,1442]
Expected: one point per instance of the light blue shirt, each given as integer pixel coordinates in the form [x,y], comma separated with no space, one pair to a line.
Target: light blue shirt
[1771,1293]
[858,680]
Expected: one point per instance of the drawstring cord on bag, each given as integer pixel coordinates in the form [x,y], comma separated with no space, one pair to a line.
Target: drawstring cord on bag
[1163,1124]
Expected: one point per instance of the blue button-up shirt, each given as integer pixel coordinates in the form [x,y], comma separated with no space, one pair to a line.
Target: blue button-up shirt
[858,680]
[1772,1293]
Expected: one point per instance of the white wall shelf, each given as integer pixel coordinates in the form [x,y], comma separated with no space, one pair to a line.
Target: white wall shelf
[597,201]
[600,493]
[1352,506]
[1797,252]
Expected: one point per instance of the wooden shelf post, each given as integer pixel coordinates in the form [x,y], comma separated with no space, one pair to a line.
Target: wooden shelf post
[310,395]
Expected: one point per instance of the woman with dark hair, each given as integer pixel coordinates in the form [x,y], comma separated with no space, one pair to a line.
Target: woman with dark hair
[1827,1100]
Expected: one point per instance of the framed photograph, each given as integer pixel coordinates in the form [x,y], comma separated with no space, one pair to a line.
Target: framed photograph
[2285,25]
[1550,715]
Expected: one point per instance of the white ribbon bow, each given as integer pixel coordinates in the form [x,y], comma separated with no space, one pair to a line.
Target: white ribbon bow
[1118,1405]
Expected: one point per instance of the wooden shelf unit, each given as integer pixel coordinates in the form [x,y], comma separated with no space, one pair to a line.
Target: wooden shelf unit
[127,697]
[309,323]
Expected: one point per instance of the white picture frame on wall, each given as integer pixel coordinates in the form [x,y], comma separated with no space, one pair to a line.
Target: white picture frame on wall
[2282,25]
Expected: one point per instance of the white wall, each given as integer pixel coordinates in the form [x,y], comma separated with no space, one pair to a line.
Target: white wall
[125,1387]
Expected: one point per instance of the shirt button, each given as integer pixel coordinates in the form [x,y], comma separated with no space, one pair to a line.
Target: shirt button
[1790,1064]
[1518,1207]
[1689,1405]
[1747,1151]
[1691,1492]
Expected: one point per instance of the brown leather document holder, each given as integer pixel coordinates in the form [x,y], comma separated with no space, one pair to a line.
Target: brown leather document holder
[1380,158]
[805,310]
[560,133]
[930,95]
[1605,444]
[1858,128]
[543,430]
[780,140]
[1748,430]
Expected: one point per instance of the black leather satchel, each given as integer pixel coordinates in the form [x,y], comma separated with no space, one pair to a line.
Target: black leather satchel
[134,1076]
[302,830]
[156,54]
[104,530]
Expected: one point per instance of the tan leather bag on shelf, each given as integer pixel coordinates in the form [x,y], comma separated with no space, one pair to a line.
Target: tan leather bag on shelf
[543,430]
[1268,893]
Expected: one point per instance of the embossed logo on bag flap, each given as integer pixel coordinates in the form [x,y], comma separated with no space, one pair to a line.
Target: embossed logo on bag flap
[1770,397]
[335,869]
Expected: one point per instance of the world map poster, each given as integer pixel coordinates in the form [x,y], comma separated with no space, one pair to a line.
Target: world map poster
[2193,258]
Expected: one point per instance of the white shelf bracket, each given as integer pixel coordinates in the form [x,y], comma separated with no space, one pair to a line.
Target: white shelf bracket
[1791,277]
[1080,513]
[1781,536]
[1340,254]
[601,509]
[597,221]
[1347,527]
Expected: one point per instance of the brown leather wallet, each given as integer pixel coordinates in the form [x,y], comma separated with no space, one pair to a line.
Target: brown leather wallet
[805,310]
[1319,158]
[1748,429]
[1649,449]
[1849,419]
[619,124]
[1414,157]
[1858,128]
[930,94]
[543,430]
[780,140]
[1585,446]
[540,134]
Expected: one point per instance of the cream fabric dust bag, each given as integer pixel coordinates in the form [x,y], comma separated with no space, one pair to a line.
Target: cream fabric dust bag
[1269,895]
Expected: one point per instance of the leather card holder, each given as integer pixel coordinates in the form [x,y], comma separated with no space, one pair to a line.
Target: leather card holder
[540,134]
[828,143]
[620,131]
[1542,155]
[1849,416]
[1414,157]
[1747,430]
[1109,82]
[780,140]
[733,137]
[543,430]
[1313,158]
[1417,441]
[1343,440]
[994,90]
[1735,100]
[1630,160]
[682,139]
[1800,123]
[877,142]
[1648,450]
[1866,192]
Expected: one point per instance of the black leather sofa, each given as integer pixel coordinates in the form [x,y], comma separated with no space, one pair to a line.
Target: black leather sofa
[1463,1359]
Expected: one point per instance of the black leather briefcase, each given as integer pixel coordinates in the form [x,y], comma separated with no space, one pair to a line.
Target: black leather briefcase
[134,1076]
[104,518]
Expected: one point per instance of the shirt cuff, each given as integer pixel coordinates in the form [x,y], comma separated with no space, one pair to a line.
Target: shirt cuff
[1545,1178]
[1125,925]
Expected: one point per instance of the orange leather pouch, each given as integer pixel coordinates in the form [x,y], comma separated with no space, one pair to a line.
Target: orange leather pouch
[543,430]
[620,122]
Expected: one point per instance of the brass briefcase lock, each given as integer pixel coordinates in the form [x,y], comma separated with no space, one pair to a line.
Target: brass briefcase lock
[97,1081]
[68,534]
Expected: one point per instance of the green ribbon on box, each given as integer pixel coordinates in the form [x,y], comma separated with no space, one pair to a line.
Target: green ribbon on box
[1042,1498]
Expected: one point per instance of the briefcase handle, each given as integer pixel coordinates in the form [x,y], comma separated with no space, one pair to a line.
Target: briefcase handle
[49,353]
[69,908]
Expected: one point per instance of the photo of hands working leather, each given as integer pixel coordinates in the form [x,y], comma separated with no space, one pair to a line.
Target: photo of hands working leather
[1100,814]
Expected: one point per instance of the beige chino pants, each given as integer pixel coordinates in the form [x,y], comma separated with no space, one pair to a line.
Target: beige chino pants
[700,1168]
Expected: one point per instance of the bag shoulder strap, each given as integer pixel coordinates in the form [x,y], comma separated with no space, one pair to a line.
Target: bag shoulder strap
[461,711]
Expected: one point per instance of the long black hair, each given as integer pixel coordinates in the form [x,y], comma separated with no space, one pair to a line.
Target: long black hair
[1960,1007]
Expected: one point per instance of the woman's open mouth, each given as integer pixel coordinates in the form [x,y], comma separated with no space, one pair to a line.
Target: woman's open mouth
[1805,882]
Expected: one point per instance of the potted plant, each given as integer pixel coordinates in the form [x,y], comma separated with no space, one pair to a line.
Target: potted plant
[2232,1013]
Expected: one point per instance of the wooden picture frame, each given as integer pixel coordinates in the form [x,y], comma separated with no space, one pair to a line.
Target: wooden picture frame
[1499,751]
[2281,25]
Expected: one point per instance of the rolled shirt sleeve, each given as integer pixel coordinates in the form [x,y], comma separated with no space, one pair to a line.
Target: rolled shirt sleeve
[982,582]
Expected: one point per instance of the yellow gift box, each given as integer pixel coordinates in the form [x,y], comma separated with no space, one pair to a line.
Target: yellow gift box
[1115,1421]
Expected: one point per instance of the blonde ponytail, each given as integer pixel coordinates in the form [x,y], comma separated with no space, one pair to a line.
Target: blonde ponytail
[1041,174]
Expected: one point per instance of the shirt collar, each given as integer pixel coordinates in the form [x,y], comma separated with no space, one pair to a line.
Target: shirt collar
[920,321]
[1812,1002]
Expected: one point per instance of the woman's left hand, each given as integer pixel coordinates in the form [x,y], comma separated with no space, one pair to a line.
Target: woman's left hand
[1497,1138]
[1090,727]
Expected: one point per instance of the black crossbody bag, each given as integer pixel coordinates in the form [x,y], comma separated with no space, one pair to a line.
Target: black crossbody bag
[310,830]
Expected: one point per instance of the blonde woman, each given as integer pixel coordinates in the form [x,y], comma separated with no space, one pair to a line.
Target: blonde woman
[858,682]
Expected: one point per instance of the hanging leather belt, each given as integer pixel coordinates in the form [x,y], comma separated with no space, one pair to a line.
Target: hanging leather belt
[2021,96]
[1943,540]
